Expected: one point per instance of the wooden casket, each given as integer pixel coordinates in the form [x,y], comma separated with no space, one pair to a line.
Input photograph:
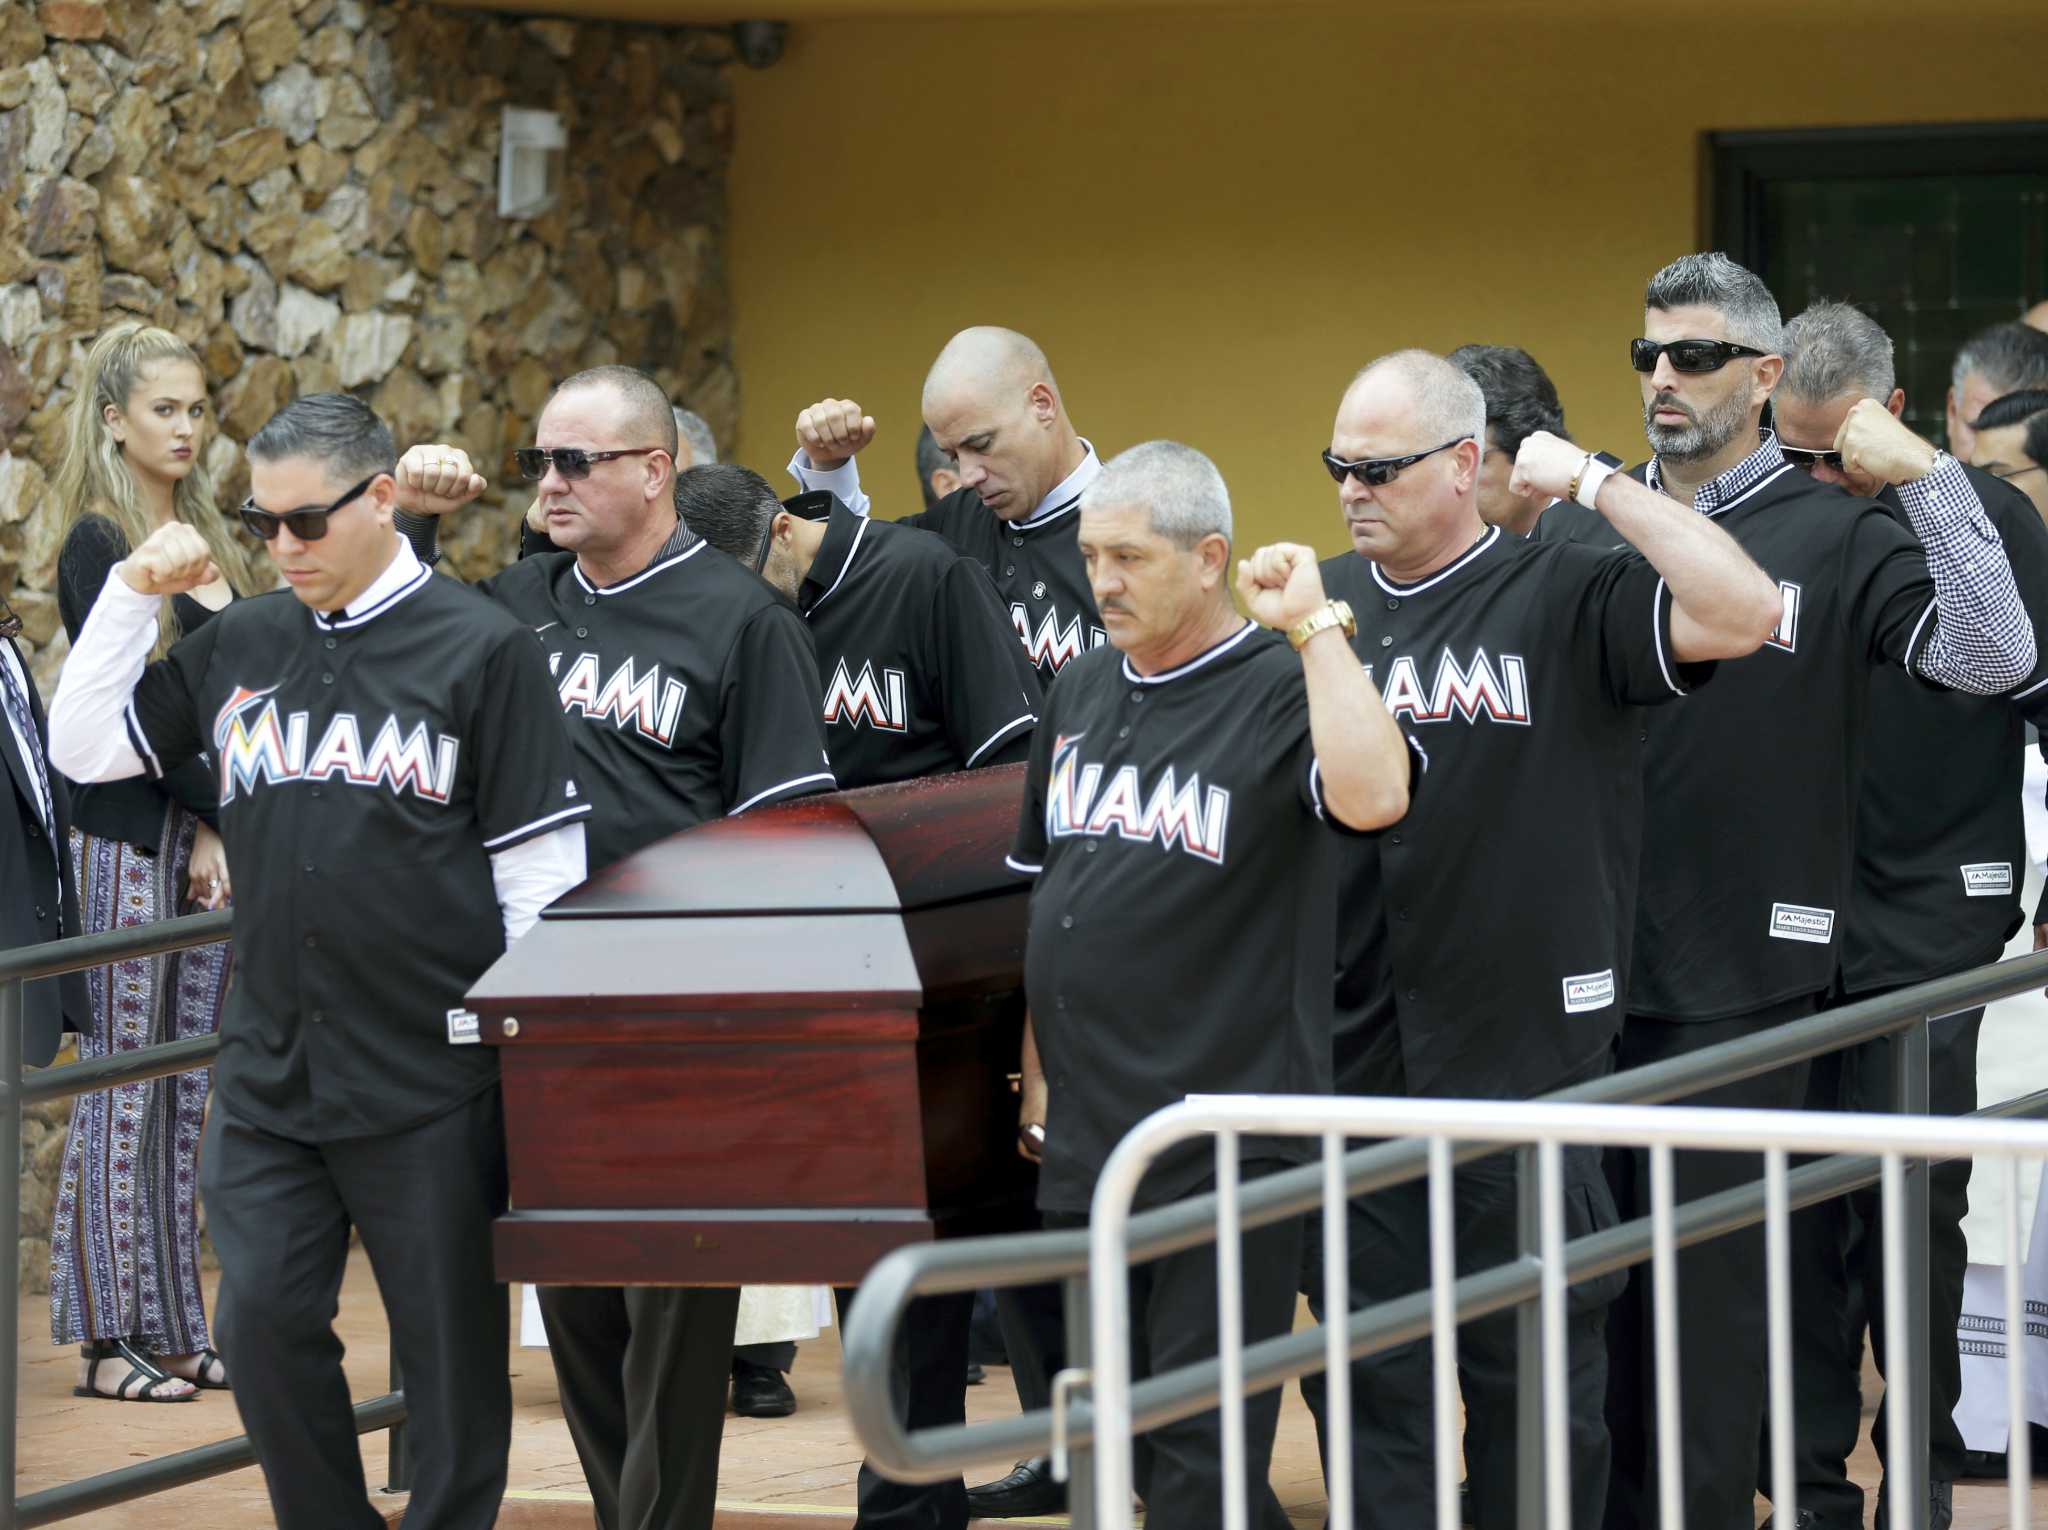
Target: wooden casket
[770,1048]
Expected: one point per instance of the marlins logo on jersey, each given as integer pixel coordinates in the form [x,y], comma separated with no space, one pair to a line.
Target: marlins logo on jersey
[1054,645]
[880,702]
[256,746]
[628,697]
[1471,691]
[1176,814]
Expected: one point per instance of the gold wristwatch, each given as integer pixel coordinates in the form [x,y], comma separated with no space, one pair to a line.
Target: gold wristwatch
[1331,613]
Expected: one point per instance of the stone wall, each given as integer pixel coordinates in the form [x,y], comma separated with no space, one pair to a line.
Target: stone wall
[306,190]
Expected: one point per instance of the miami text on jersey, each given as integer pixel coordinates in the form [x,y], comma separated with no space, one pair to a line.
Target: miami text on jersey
[882,704]
[255,746]
[1053,644]
[1468,691]
[1786,634]
[1183,815]
[648,704]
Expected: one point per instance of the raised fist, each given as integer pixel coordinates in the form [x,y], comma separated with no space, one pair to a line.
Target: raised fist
[1875,444]
[433,480]
[172,560]
[1280,584]
[832,430]
[1546,464]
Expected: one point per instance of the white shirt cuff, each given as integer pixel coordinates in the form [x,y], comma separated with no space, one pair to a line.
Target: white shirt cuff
[843,480]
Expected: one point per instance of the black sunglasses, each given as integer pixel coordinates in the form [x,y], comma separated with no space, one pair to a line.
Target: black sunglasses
[570,461]
[1687,355]
[1807,461]
[306,525]
[1378,472]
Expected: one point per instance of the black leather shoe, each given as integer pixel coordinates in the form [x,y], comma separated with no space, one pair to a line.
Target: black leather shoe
[1027,1490]
[1941,1508]
[759,1391]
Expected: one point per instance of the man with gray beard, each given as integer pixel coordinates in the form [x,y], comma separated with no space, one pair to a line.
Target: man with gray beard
[1749,794]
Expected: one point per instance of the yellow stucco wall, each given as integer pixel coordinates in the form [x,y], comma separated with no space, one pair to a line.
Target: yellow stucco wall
[1209,221]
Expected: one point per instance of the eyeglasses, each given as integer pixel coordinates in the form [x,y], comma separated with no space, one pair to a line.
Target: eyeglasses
[1687,355]
[1807,461]
[570,461]
[1378,472]
[306,525]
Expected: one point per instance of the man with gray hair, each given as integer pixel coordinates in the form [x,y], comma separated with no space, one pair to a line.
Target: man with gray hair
[1992,363]
[1523,667]
[1179,802]
[1939,848]
[1750,802]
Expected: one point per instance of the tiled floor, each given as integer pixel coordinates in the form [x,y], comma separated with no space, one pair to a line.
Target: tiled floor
[784,1474]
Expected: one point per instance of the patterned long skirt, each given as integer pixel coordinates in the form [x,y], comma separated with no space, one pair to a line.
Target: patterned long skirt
[124,1237]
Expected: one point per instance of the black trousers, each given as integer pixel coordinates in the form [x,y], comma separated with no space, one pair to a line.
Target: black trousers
[423,1200]
[928,1380]
[1721,1294]
[1393,1428]
[1178,1469]
[643,1373]
[774,1356]
[1838,1281]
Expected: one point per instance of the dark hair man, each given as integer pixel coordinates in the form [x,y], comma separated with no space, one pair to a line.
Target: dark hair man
[692,693]
[2011,443]
[391,760]
[1992,363]
[937,473]
[1939,853]
[1747,864]
[991,402]
[1521,400]
[1521,667]
[1179,802]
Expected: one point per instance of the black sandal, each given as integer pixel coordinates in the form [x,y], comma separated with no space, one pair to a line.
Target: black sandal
[144,1374]
[208,1359]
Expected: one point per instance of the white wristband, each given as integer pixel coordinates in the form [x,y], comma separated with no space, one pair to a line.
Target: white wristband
[1597,473]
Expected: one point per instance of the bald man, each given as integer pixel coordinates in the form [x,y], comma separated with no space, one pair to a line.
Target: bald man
[991,402]
[2036,317]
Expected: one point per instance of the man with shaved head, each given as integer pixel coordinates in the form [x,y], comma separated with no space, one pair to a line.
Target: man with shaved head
[692,693]
[991,402]
[1522,668]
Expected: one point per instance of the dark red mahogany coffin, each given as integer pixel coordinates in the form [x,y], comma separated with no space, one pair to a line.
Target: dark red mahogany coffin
[770,1048]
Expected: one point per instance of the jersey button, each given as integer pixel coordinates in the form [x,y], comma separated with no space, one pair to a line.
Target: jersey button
[583,632]
[1010,571]
[1137,695]
[1016,541]
[328,678]
[1414,994]
[590,600]
[1394,838]
[1387,641]
[309,868]
[312,941]
[1092,847]
[1124,732]
[332,643]
[1066,921]
[319,1015]
[1393,605]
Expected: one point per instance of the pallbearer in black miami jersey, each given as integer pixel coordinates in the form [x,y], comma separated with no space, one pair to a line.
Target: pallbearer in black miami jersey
[1750,801]
[1939,854]
[691,692]
[991,401]
[391,761]
[1181,799]
[1522,668]
[921,671]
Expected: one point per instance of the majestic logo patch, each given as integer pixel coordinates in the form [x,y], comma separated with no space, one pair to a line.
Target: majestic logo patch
[626,698]
[1786,634]
[1053,646]
[1592,990]
[256,746]
[1792,921]
[1176,815]
[881,704]
[1987,879]
[1480,689]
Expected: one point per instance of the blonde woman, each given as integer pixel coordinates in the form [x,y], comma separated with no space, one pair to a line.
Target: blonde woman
[124,1240]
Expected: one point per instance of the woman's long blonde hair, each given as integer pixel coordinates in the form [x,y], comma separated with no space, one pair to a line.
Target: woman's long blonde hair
[94,479]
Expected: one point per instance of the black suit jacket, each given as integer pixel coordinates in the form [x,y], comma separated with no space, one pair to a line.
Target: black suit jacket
[31,908]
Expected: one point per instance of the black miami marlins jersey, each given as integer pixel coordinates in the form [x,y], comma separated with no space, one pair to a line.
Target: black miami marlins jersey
[1483,947]
[1751,787]
[691,689]
[1183,923]
[1940,846]
[369,765]
[921,670]
[1036,567]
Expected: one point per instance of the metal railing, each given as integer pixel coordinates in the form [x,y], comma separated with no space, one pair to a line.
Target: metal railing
[17,967]
[1549,1127]
[1066,1429]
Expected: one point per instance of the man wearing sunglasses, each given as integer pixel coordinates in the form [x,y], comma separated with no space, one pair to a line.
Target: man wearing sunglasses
[692,693]
[392,760]
[1746,870]
[1939,849]
[1523,668]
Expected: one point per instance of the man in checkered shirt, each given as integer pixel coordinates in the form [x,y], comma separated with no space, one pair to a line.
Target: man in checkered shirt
[1750,803]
